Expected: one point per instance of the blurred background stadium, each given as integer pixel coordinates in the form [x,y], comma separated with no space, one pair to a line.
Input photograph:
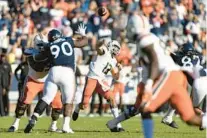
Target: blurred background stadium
[173,21]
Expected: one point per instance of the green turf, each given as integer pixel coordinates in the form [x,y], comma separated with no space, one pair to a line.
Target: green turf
[95,128]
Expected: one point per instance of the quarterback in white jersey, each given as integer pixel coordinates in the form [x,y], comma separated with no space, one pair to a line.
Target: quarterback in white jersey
[165,82]
[96,81]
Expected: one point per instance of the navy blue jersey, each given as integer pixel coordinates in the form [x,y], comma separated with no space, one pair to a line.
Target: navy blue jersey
[63,52]
[187,60]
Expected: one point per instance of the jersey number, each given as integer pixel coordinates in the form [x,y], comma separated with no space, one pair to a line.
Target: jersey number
[55,49]
[107,68]
[187,62]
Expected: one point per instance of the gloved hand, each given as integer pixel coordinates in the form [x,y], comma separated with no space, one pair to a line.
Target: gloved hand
[81,30]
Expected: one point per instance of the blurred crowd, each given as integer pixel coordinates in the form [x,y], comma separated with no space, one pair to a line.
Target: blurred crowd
[173,21]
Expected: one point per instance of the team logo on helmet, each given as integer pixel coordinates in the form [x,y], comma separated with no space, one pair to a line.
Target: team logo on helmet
[53,35]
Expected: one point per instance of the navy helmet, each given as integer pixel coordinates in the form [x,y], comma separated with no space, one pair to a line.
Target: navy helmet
[188,49]
[53,35]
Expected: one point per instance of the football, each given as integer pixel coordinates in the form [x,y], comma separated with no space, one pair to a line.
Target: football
[102,11]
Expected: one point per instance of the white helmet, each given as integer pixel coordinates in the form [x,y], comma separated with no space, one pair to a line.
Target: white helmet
[38,39]
[141,24]
[114,47]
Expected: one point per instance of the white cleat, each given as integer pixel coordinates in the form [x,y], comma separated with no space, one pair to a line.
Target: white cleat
[68,131]
[53,128]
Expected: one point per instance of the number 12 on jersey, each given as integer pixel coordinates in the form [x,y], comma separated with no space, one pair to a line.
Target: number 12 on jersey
[55,49]
[107,68]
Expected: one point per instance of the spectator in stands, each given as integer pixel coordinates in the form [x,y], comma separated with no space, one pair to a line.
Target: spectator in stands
[182,11]
[4,39]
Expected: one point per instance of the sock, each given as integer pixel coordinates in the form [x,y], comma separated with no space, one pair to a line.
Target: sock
[34,117]
[204,121]
[54,123]
[115,112]
[66,122]
[147,125]
[16,122]
[77,109]
[121,117]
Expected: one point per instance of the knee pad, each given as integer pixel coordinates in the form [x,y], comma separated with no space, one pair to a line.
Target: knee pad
[20,109]
[56,113]
[146,115]
[40,107]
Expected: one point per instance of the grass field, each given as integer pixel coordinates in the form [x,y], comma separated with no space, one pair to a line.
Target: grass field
[86,127]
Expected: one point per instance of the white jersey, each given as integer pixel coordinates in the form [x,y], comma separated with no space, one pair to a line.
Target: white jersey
[37,76]
[102,65]
[165,62]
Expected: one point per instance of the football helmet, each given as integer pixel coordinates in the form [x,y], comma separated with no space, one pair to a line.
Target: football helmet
[53,35]
[114,47]
[188,49]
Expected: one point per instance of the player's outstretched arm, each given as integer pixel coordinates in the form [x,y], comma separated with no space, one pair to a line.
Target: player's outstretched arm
[81,40]
[115,71]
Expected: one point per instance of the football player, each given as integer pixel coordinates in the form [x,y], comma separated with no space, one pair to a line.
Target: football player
[61,75]
[34,84]
[165,82]
[104,63]
[188,58]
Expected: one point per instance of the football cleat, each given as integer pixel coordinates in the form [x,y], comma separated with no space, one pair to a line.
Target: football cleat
[113,127]
[53,128]
[116,129]
[201,128]
[121,129]
[75,115]
[67,130]
[12,129]
[173,124]
[29,127]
